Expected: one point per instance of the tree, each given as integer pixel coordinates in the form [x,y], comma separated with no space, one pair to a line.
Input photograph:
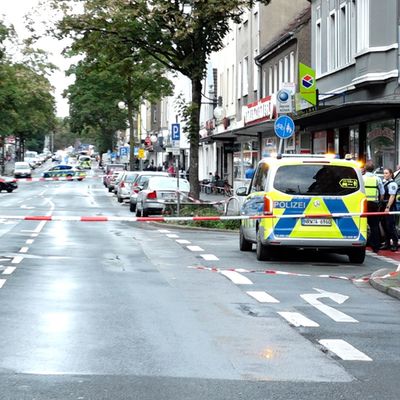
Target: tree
[180,34]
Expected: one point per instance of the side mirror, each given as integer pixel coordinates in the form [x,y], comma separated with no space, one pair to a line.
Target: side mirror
[241,191]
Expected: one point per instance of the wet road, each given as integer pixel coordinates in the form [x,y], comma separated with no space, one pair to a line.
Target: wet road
[116,310]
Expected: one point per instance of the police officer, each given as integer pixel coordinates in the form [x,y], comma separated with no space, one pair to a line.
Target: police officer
[389,225]
[375,192]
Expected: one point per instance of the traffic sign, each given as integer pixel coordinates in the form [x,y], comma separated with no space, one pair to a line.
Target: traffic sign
[123,151]
[284,102]
[141,154]
[284,127]
[176,132]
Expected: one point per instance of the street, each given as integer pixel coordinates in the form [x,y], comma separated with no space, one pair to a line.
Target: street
[119,310]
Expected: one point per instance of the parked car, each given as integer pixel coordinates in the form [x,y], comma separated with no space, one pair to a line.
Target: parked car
[8,184]
[65,171]
[22,169]
[112,179]
[156,191]
[85,162]
[137,185]
[109,169]
[124,186]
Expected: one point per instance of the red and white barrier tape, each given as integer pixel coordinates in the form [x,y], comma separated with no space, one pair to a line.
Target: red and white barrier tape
[277,272]
[54,178]
[187,219]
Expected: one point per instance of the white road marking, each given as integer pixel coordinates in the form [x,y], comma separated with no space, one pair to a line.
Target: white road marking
[344,350]
[172,235]
[29,241]
[27,207]
[34,235]
[336,315]
[17,260]
[195,248]
[2,282]
[40,226]
[297,319]
[183,241]
[237,278]
[24,249]
[210,257]
[164,231]
[262,297]
[9,270]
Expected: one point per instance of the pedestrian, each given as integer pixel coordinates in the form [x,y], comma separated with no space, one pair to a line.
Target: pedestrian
[375,193]
[249,172]
[389,204]
[171,170]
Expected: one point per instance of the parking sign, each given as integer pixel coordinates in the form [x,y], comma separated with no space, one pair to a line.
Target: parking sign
[176,132]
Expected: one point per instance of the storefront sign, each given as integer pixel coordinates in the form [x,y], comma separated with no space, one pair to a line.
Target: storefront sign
[258,111]
[308,87]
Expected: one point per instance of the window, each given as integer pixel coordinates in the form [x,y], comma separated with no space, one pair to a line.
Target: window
[260,178]
[233,84]
[280,74]
[292,67]
[343,37]
[332,41]
[362,7]
[228,87]
[270,76]
[352,29]
[319,180]
[245,83]
[286,69]
[239,81]
[275,89]
[256,71]
[318,42]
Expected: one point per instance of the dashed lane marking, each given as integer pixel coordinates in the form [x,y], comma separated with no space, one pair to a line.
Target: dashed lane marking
[210,257]
[9,270]
[297,319]
[24,249]
[183,241]
[2,282]
[172,235]
[262,297]
[237,278]
[195,248]
[164,231]
[29,241]
[17,259]
[344,350]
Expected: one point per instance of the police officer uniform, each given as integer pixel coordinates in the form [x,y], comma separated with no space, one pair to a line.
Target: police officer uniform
[374,191]
[389,224]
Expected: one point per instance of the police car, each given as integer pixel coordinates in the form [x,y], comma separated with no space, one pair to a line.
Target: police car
[65,171]
[311,189]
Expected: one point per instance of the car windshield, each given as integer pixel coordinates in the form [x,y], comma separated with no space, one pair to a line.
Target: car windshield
[21,165]
[325,180]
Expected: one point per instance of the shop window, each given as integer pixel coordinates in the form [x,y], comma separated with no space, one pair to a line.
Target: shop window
[244,158]
[381,149]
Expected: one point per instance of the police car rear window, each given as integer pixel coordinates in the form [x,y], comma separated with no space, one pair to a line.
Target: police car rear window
[307,180]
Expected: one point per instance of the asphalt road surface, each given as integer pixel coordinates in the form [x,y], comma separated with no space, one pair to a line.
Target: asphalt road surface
[118,310]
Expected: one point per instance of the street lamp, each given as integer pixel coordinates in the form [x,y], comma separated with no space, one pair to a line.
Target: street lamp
[219,111]
[122,106]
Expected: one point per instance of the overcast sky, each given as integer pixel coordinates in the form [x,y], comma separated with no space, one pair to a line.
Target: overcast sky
[13,12]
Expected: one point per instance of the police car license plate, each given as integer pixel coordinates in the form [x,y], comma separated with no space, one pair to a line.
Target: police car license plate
[316,222]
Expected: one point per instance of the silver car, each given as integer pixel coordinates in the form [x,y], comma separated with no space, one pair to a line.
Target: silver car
[138,183]
[125,184]
[158,190]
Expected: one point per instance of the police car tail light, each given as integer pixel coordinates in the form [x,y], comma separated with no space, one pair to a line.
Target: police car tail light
[122,184]
[152,195]
[267,205]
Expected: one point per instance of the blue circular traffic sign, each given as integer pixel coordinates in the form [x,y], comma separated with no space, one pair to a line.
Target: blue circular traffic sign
[284,127]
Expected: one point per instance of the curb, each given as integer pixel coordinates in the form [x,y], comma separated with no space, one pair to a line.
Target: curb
[383,285]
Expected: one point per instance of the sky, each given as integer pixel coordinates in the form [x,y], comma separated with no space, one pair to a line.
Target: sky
[13,12]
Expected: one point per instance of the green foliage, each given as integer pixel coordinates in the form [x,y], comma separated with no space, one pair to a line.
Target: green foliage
[195,210]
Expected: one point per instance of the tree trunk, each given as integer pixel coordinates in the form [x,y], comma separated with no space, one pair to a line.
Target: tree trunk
[195,138]
[131,127]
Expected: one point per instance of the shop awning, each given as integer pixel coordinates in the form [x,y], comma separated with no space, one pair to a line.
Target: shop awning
[349,113]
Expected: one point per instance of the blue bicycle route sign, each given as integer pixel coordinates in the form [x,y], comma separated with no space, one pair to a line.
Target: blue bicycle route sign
[284,127]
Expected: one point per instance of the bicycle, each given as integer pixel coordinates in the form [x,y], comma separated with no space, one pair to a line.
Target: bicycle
[228,190]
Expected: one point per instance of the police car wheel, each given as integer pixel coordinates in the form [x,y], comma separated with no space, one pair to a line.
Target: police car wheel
[244,244]
[262,252]
[357,256]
